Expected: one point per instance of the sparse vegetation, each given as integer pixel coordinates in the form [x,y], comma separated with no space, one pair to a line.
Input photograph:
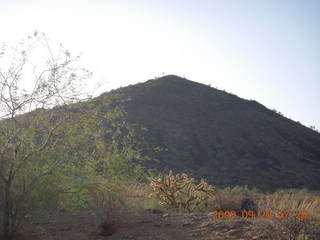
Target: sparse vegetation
[314,128]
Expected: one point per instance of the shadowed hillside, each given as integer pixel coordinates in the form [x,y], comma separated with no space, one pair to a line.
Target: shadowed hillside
[218,136]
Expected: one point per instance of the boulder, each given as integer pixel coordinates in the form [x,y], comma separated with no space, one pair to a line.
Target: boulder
[248,205]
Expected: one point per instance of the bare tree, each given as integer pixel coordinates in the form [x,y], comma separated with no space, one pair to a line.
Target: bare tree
[27,131]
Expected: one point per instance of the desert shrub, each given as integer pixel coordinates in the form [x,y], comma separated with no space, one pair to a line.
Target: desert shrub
[114,201]
[180,191]
[109,206]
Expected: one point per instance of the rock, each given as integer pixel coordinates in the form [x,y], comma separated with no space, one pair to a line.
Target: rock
[65,229]
[210,214]
[186,223]
[131,236]
[165,215]
[105,233]
[234,231]
[205,224]
[168,225]
[154,211]
[248,205]
[193,235]
[107,230]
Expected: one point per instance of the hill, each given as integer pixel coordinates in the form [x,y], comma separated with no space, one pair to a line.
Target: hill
[218,136]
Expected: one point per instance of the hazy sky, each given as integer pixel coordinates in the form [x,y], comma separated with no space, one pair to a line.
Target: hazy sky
[266,50]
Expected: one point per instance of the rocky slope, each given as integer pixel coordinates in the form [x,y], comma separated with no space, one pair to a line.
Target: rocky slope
[218,136]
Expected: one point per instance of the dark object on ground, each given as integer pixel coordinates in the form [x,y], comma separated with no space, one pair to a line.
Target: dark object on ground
[107,230]
[248,205]
[154,211]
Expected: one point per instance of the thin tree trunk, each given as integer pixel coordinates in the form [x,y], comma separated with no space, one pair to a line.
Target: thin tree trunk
[8,228]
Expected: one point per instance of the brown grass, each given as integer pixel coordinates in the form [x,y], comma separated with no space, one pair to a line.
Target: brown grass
[229,199]
[292,202]
[295,227]
[226,201]
[292,227]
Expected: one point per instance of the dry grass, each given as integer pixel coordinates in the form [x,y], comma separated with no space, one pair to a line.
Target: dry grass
[229,199]
[295,226]
[226,201]
[292,202]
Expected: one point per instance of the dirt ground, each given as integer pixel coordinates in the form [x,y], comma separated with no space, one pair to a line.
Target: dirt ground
[149,224]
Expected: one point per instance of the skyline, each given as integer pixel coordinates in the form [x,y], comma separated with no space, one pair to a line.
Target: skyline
[267,51]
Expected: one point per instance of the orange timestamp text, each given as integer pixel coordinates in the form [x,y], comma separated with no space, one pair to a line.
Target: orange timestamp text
[261,214]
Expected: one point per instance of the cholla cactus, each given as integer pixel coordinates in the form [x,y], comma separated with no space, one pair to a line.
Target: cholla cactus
[180,191]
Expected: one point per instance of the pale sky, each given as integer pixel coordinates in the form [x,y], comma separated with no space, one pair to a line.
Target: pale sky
[265,50]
